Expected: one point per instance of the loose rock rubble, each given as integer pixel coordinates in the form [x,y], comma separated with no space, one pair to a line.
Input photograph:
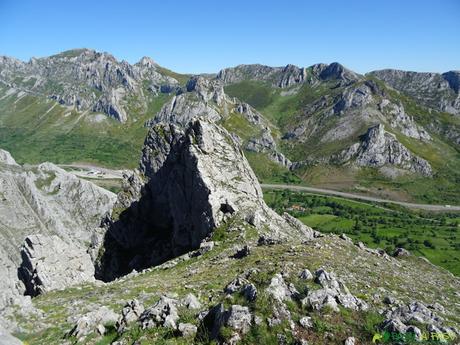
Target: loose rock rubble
[333,293]
[93,322]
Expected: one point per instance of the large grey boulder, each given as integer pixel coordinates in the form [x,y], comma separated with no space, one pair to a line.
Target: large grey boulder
[130,313]
[190,301]
[237,317]
[50,263]
[414,312]
[187,330]
[163,313]
[279,290]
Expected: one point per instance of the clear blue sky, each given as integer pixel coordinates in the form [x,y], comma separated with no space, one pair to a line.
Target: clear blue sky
[205,36]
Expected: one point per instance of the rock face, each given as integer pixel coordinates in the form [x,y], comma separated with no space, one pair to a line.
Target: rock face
[203,97]
[45,201]
[194,180]
[206,98]
[287,76]
[86,80]
[49,263]
[379,148]
[434,90]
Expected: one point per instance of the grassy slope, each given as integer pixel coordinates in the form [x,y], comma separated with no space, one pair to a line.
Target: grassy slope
[434,236]
[207,275]
[33,133]
[284,110]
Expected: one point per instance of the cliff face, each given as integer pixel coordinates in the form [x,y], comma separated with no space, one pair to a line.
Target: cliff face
[46,202]
[193,181]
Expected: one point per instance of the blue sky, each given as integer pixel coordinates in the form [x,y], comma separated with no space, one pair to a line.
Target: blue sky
[205,36]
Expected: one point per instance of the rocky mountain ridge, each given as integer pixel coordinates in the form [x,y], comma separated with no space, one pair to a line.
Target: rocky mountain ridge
[296,120]
[434,90]
[87,80]
[287,76]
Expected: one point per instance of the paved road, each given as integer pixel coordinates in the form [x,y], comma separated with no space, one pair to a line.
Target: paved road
[84,170]
[92,171]
[361,197]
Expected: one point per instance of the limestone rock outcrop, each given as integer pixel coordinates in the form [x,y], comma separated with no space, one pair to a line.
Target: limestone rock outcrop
[44,201]
[332,294]
[195,178]
[49,263]
[6,158]
[202,97]
[379,148]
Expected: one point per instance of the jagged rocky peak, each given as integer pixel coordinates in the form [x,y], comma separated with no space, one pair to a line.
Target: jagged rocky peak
[8,63]
[205,152]
[192,181]
[336,71]
[207,89]
[202,97]
[147,62]
[247,72]
[379,148]
[292,75]
[433,90]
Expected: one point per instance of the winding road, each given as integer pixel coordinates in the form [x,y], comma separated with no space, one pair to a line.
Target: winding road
[360,197]
[92,171]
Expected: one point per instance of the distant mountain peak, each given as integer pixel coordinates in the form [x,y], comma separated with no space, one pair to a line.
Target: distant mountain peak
[147,62]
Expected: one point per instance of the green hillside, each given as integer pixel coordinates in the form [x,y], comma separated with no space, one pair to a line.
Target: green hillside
[35,129]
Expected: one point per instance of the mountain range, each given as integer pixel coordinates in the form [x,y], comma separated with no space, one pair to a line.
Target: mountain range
[191,250]
[388,133]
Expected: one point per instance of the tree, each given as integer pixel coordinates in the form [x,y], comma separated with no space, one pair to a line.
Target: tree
[357,225]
